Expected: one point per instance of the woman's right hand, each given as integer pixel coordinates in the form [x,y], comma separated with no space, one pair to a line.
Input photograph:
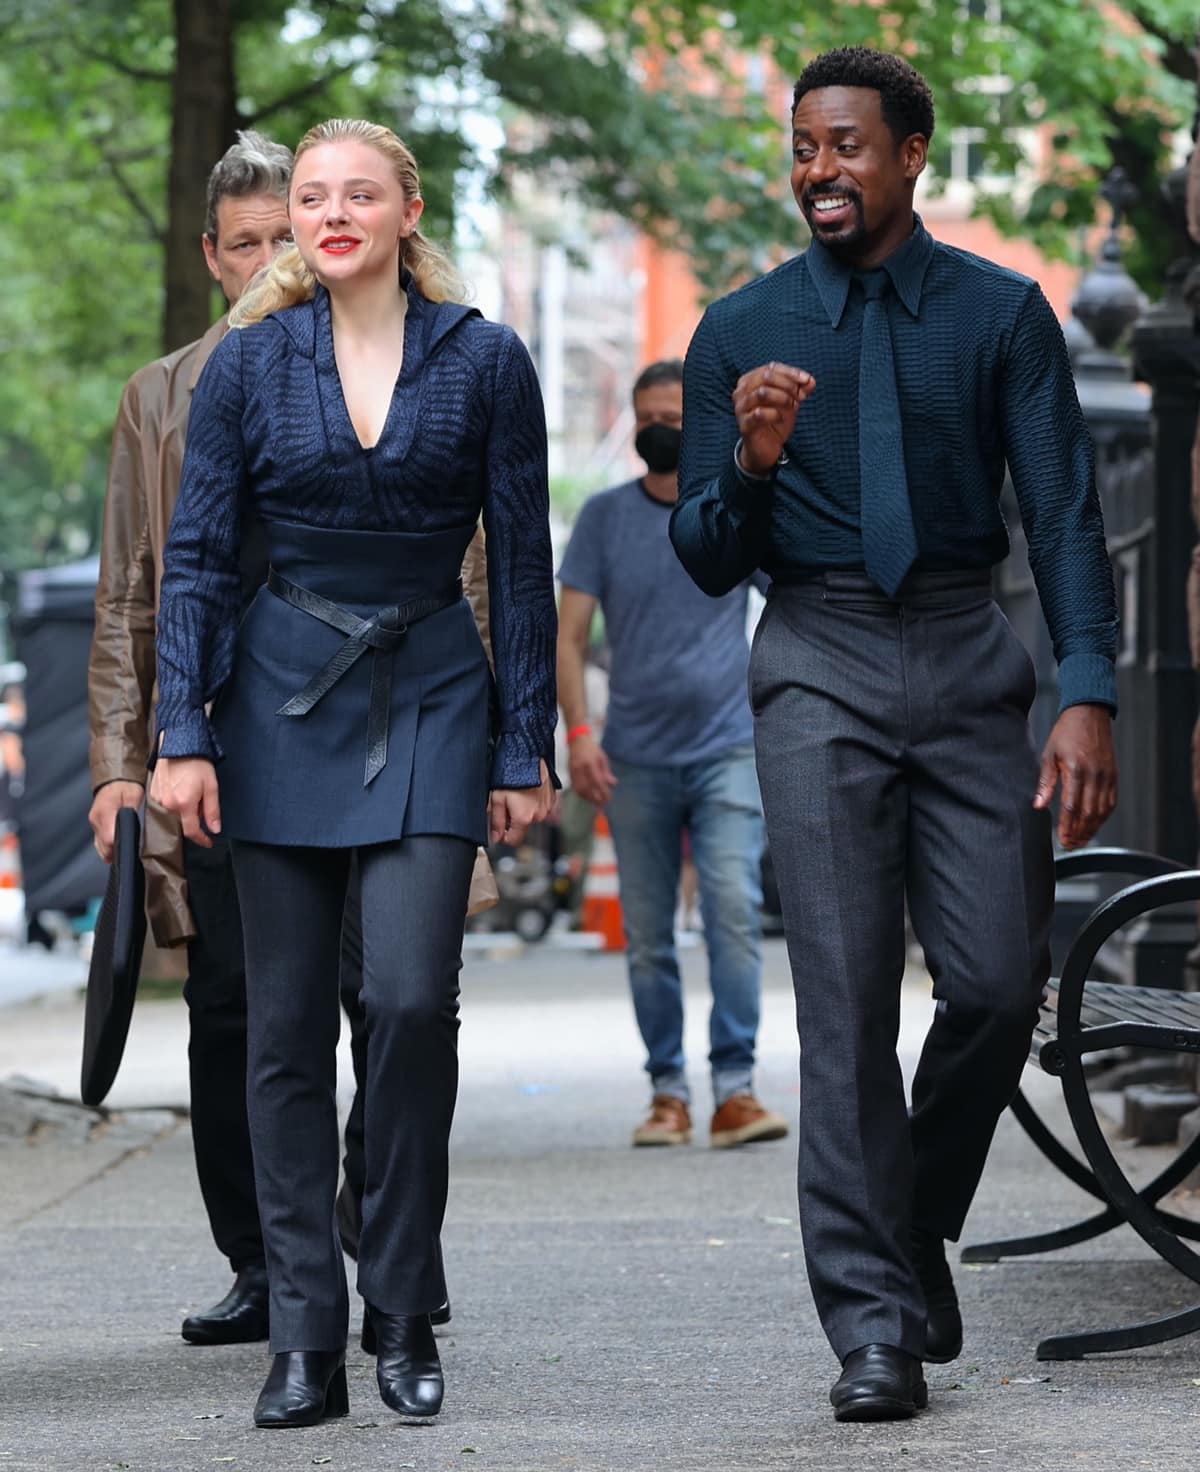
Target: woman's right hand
[187,786]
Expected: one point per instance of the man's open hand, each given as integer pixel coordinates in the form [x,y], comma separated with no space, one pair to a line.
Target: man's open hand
[1080,754]
[591,776]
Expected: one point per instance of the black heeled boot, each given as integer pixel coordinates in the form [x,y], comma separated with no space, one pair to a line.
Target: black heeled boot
[304,1386]
[438,1318]
[407,1366]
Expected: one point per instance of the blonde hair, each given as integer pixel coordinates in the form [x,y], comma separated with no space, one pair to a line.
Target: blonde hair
[288,281]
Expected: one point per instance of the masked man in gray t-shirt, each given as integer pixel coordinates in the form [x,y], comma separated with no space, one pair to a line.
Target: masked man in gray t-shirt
[677,760]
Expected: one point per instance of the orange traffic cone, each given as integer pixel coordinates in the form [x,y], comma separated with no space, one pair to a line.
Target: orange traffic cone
[601,897]
[10,861]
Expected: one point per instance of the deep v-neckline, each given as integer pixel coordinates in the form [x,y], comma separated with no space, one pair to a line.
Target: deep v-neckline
[344,406]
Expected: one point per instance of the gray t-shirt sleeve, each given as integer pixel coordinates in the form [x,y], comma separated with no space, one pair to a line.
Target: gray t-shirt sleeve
[585,560]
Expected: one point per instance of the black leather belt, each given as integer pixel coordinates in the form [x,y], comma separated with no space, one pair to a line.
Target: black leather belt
[381,634]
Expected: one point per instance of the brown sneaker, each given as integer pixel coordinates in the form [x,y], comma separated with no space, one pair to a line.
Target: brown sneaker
[742,1119]
[668,1123]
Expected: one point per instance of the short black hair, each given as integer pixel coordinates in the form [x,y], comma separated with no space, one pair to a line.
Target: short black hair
[903,91]
[669,370]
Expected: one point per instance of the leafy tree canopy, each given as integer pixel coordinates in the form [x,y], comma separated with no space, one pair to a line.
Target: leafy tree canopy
[89,95]
[645,110]
[1112,81]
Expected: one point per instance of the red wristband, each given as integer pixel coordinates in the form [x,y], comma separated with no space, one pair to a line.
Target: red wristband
[576,732]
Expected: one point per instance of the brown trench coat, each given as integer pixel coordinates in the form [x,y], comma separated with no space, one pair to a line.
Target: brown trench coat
[143,484]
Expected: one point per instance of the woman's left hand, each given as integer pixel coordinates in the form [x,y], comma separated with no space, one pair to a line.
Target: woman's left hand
[511,810]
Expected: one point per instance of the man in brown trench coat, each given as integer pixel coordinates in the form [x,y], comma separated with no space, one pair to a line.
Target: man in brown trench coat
[190,892]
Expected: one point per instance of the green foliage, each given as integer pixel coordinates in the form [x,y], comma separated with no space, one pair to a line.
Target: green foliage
[86,96]
[1115,81]
[80,267]
[646,110]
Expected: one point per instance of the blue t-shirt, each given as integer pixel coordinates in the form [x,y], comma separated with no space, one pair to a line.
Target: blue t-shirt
[677,681]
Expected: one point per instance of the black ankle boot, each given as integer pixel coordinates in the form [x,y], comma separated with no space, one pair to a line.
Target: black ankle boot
[438,1318]
[407,1366]
[943,1320]
[304,1386]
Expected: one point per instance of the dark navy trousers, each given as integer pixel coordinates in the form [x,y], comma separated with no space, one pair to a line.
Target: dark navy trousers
[414,900]
[215,992]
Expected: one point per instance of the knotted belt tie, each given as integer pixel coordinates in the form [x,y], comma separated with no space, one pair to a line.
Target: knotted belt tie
[381,634]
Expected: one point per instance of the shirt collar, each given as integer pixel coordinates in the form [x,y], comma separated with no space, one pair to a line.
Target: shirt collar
[906,266]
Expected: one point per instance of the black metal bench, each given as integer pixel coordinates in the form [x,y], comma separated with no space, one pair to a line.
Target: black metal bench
[1082,1017]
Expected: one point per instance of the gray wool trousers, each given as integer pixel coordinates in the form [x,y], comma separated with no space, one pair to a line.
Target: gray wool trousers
[896,762]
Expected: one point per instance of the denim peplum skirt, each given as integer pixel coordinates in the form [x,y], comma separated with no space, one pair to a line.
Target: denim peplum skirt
[300,779]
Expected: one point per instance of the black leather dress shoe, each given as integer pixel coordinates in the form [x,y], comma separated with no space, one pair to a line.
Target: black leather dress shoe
[407,1368]
[241,1317]
[943,1321]
[304,1386]
[879,1383]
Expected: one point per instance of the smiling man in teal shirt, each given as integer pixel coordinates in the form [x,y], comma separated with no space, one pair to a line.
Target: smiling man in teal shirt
[847,424]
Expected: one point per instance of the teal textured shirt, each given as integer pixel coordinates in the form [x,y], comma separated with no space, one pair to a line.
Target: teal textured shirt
[984,381]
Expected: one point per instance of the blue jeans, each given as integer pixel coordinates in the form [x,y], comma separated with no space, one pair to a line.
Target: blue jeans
[718,803]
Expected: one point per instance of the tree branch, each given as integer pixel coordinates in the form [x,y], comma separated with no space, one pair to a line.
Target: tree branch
[133,198]
[1178,57]
[31,40]
[300,94]
[127,69]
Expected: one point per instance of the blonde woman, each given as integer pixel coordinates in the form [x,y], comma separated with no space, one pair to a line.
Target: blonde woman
[368,419]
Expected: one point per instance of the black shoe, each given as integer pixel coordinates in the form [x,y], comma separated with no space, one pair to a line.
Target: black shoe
[241,1317]
[408,1368]
[347,1212]
[437,1318]
[879,1383]
[304,1386]
[943,1321]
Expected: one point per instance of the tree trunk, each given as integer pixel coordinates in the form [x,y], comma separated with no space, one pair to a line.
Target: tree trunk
[202,127]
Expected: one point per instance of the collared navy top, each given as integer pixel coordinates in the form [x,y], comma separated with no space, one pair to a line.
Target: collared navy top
[269,433]
[983,378]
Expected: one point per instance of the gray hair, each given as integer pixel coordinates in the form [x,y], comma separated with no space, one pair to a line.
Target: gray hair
[253,165]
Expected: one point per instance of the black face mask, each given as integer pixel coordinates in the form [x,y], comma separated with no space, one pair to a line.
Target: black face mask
[658,445]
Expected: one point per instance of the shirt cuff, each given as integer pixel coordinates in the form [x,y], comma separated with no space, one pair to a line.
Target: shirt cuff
[748,499]
[185,733]
[516,764]
[1087,679]
[111,760]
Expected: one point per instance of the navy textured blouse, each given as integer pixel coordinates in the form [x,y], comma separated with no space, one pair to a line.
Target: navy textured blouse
[269,433]
[983,379]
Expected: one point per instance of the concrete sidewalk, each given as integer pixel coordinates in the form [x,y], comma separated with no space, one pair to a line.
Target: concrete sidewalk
[642,1311]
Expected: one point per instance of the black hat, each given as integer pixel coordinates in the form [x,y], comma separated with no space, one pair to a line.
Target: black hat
[116,962]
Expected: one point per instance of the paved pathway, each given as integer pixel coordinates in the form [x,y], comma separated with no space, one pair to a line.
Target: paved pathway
[640,1311]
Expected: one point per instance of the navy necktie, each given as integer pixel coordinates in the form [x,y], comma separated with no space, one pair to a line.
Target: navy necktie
[888,536]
